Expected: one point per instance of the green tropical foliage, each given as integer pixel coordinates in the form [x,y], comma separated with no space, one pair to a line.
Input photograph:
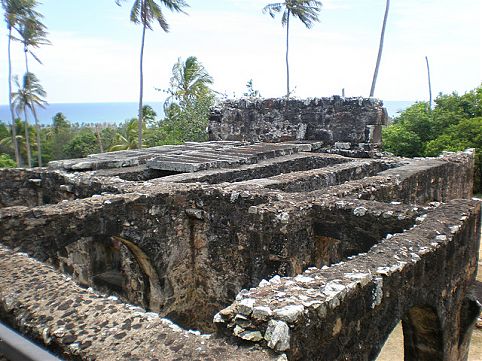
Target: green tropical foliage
[189,81]
[8,146]
[250,91]
[127,137]
[454,124]
[304,10]
[187,107]
[6,161]
[145,13]
[82,144]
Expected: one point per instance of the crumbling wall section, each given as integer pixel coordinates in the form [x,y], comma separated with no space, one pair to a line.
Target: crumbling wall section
[355,121]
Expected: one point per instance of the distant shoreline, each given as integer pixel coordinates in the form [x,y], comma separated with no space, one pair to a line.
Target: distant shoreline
[116,113]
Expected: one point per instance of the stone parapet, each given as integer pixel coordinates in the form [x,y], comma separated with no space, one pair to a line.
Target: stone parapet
[343,123]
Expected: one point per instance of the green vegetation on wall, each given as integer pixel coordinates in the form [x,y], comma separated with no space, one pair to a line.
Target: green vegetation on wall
[454,124]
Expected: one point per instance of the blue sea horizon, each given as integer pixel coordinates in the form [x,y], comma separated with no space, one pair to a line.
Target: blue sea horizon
[116,113]
[87,113]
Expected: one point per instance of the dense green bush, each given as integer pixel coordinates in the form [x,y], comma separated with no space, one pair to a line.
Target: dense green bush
[6,161]
[454,124]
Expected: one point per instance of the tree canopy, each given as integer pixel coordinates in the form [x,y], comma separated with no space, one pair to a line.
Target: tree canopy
[454,124]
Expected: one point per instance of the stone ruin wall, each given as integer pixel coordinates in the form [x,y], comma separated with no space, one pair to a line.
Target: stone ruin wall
[293,252]
[348,122]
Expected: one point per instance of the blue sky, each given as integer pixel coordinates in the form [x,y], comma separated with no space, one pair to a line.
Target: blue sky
[95,49]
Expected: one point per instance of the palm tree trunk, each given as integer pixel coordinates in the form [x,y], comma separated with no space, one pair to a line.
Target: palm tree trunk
[287,52]
[37,128]
[27,139]
[380,50]
[10,104]
[141,91]
[26,59]
[429,85]
[99,138]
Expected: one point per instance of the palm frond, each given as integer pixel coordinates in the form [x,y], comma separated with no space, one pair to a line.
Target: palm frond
[147,12]
[305,10]
[273,9]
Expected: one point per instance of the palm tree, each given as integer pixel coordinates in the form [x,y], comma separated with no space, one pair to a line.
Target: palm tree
[128,138]
[380,49]
[15,11]
[36,94]
[20,139]
[29,94]
[305,10]
[145,12]
[189,81]
[33,33]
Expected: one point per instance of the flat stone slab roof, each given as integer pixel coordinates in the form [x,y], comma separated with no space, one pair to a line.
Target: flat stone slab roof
[186,158]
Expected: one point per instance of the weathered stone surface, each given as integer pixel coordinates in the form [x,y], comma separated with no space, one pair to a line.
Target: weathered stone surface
[343,121]
[81,324]
[414,285]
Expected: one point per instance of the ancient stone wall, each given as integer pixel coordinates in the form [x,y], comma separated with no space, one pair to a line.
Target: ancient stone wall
[350,122]
[330,311]
[297,251]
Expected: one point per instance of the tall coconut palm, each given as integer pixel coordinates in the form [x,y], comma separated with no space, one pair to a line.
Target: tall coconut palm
[380,50]
[189,81]
[28,95]
[305,10]
[15,11]
[33,34]
[147,12]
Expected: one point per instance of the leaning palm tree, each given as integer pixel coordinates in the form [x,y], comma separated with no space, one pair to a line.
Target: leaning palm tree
[37,96]
[28,95]
[33,33]
[189,81]
[380,50]
[15,11]
[305,10]
[146,12]
[20,101]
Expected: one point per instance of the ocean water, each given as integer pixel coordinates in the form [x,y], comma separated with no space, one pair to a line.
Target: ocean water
[395,107]
[88,113]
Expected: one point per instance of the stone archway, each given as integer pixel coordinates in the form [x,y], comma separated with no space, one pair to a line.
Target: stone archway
[155,293]
[422,335]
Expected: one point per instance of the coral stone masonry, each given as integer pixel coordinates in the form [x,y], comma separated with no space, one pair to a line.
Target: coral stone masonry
[288,236]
